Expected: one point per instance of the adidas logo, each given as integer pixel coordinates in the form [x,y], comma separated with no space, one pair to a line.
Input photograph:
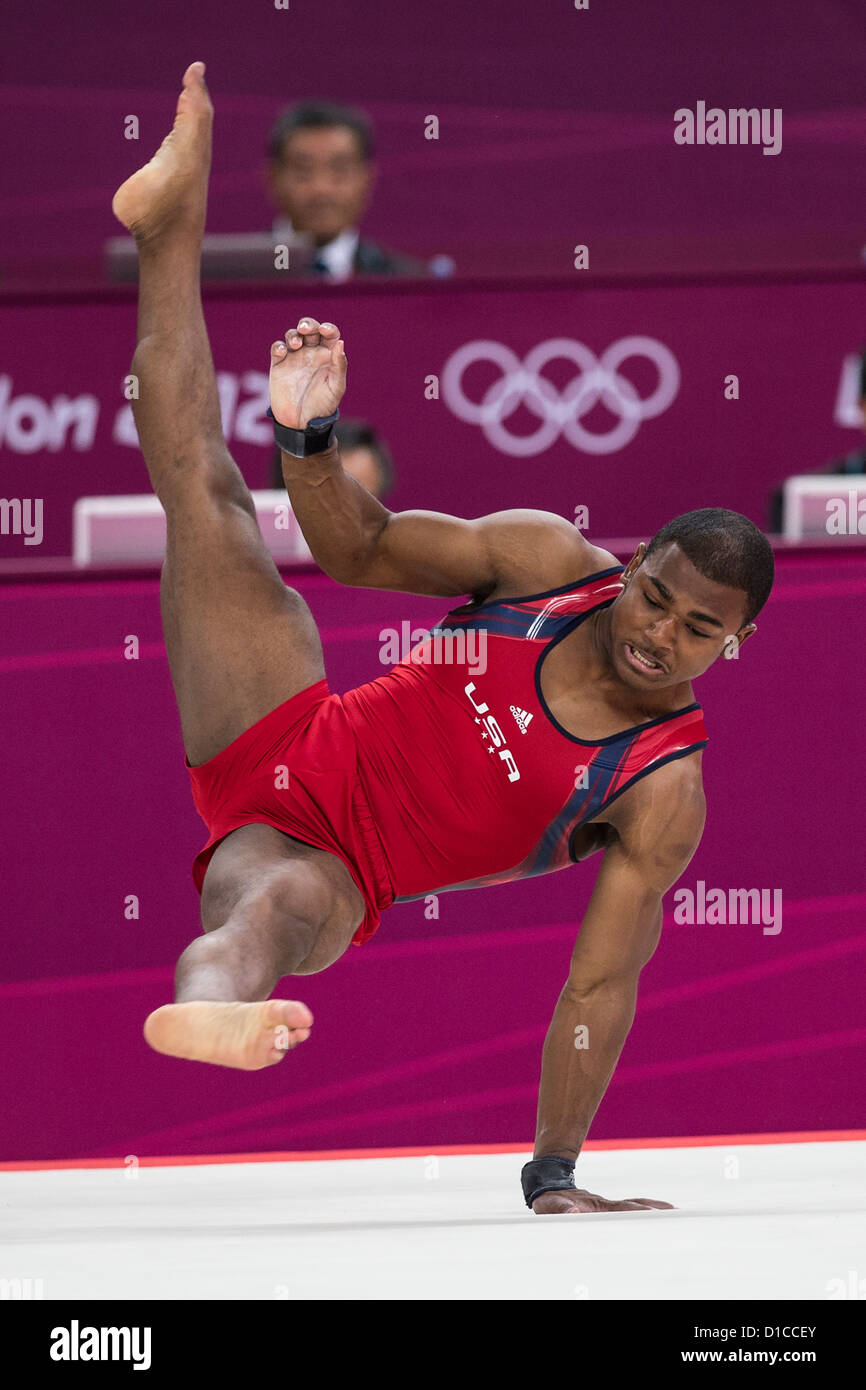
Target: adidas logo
[522,718]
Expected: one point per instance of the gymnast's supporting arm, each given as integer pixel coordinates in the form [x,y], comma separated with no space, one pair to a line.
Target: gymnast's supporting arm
[657,832]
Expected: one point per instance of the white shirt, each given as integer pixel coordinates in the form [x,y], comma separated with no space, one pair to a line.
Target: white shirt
[338,255]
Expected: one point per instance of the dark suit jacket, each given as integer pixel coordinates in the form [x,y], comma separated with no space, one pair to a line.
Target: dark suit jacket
[371,259]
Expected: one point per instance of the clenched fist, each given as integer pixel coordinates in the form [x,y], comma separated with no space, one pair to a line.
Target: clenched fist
[308,373]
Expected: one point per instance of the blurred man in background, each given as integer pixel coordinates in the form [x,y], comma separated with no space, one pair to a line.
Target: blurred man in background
[320,175]
[365,457]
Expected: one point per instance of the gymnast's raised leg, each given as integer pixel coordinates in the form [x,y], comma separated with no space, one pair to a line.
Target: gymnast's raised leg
[239,641]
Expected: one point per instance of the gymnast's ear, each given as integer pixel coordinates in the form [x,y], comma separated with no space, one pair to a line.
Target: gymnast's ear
[634,563]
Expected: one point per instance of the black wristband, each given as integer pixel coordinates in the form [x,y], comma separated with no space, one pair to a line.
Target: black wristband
[548,1174]
[314,439]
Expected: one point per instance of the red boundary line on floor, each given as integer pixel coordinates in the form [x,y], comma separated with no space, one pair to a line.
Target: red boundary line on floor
[319,1155]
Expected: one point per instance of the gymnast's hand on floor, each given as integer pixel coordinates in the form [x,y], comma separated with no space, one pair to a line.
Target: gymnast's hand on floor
[575,1200]
[308,373]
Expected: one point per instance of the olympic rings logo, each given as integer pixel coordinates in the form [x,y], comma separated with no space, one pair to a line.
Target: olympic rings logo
[598,379]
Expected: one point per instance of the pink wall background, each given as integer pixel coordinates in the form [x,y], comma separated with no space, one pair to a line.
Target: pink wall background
[555,128]
[556,125]
[786,342]
[432,1033]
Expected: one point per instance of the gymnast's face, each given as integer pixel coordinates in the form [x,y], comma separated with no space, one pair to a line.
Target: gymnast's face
[670,623]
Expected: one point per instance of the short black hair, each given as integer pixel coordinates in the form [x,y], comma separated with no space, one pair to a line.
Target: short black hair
[320,115]
[726,547]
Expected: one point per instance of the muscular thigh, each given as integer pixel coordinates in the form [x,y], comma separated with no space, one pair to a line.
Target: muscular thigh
[239,641]
[273,882]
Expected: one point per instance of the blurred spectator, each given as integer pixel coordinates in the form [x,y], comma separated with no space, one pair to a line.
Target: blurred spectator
[365,456]
[855,462]
[320,175]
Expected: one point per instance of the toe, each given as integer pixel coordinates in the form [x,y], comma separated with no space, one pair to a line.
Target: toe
[289,1012]
[194,96]
[194,76]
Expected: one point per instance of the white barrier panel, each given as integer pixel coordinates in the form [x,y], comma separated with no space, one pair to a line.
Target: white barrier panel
[824,505]
[131,530]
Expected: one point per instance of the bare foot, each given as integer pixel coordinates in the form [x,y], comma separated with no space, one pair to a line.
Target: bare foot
[248,1036]
[174,182]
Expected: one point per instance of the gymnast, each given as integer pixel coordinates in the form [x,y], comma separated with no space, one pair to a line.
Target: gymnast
[579,732]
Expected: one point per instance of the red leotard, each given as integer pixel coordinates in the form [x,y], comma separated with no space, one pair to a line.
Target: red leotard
[469,778]
[449,771]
